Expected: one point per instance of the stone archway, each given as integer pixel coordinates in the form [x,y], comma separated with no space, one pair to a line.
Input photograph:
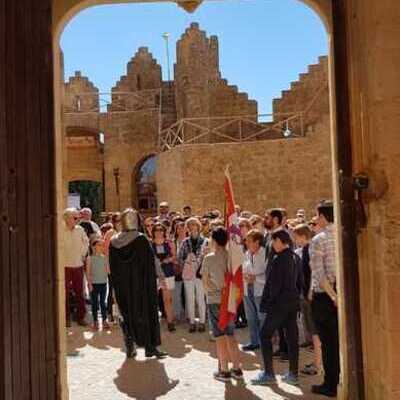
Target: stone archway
[84,155]
[350,334]
[144,186]
[90,192]
[367,58]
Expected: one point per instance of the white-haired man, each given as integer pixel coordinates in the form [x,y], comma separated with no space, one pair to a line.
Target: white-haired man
[91,228]
[163,211]
[76,245]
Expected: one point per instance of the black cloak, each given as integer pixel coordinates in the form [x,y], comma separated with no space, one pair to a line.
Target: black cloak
[133,275]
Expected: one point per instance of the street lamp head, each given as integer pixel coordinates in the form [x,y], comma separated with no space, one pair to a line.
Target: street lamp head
[166,35]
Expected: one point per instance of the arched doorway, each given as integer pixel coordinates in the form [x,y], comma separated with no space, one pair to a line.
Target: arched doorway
[145,185]
[42,19]
[141,197]
[86,193]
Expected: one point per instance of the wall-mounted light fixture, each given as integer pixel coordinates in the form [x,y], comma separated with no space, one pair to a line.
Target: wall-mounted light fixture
[116,176]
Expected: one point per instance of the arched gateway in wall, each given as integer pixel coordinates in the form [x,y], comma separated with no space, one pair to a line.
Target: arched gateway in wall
[145,185]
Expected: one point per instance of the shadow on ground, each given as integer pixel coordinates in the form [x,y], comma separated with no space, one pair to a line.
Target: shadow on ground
[151,379]
[100,370]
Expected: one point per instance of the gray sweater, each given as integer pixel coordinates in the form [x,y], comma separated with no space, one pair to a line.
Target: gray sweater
[215,265]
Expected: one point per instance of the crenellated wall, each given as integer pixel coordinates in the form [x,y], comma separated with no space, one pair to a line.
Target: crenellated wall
[142,103]
[196,68]
[131,127]
[80,95]
[308,95]
[84,156]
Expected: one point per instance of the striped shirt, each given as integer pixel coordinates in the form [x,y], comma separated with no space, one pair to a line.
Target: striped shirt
[323,258]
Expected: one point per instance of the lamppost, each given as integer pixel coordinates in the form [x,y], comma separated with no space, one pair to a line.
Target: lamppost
[166,36]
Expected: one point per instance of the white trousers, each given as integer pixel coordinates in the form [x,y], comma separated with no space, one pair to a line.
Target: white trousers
[194,293]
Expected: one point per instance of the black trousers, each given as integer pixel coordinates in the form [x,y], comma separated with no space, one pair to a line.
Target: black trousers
[326,323]
[286,318]
[283,346]
[110,297]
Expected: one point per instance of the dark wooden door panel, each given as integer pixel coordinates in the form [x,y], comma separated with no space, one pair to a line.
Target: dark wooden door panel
[28,336]
[351,287]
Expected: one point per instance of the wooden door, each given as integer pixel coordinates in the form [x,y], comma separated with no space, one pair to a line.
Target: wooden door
[28,338]
[351,287]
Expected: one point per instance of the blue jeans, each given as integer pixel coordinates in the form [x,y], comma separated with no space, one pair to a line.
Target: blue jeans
[255,319]
[99,291]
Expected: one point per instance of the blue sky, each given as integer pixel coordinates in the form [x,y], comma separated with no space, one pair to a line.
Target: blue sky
[264,44]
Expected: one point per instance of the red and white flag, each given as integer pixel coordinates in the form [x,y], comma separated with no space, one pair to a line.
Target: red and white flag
[232,294]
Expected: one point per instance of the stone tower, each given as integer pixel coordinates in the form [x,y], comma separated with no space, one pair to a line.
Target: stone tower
[131,127]
[80,95]
[143,72]
[197,67]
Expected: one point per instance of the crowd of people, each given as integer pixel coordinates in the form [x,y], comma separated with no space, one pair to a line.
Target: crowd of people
[288,270]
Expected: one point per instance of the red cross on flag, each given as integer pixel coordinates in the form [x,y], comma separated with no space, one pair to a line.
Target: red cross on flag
[232,294]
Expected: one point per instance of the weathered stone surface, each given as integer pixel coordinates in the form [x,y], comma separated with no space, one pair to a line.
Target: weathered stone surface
[291,173]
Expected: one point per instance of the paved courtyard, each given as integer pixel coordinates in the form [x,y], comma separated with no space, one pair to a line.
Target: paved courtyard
[100,370]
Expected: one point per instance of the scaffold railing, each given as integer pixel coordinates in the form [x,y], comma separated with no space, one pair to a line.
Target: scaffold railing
[231,129]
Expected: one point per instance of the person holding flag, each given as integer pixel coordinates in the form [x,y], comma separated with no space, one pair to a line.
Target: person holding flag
[215,267]
[231,293]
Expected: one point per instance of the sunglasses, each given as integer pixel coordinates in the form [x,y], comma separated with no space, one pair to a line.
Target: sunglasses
[149,226]
[158,230]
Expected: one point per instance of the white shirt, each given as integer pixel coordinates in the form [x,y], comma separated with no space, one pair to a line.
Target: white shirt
[76,245]
[255,264]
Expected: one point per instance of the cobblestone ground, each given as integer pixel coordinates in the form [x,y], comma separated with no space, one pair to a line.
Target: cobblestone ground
[100,370]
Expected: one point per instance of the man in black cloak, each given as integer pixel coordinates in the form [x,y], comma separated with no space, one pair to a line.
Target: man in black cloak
[134,276]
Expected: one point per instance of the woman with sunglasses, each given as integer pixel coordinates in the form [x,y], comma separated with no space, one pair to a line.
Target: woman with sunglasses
[165,253]
[148,227]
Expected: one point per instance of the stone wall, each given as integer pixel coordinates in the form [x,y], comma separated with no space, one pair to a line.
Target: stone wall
[375,105]
[200,90]
[81,122]
[131,126]
[141,103]
[291,173]
[308,95]
[196,68]
[80,95]
[84,159]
